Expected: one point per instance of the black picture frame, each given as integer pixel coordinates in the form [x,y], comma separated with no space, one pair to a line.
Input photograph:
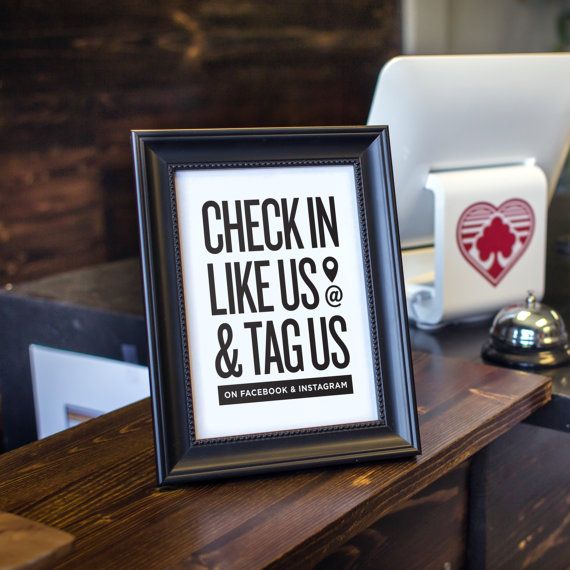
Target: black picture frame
[180,457]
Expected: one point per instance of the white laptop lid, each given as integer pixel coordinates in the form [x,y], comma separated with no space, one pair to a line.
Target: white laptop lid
[448,112]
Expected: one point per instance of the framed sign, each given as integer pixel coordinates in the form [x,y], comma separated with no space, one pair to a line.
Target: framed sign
[274,300]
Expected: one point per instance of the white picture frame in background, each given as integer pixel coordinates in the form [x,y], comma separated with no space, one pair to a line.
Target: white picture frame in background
[70,387]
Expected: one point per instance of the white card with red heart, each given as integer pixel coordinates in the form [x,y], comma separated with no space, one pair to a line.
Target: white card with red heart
[490,238]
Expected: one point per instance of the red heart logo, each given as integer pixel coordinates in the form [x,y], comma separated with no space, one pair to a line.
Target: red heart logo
[493,239]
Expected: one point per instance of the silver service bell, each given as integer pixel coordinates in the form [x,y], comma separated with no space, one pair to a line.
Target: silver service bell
[528,336]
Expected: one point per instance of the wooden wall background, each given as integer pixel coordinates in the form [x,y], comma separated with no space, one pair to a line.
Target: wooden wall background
[76,76]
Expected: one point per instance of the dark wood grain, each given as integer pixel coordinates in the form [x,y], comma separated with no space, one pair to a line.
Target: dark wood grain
[525,495]
[52,216]
[76,77]
[97,481]
[91,287]
[425,532]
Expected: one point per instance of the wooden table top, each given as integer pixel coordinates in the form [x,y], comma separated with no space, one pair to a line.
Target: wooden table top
[97,481]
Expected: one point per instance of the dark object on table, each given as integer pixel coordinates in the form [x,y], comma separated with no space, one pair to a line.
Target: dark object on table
[530,336]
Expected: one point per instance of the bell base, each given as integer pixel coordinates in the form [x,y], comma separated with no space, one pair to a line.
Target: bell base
[537,360]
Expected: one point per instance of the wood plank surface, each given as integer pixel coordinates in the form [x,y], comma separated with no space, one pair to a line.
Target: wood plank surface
[426,532]
[525,490]
[76,77]
[97,482]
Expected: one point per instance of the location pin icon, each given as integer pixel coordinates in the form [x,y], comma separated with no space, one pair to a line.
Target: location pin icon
[330,267]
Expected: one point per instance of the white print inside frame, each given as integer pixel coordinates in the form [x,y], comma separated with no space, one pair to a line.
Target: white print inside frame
[274,291]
